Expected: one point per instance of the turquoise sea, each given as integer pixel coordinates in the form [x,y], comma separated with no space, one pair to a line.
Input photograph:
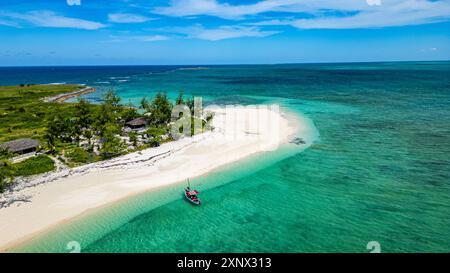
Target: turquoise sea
[378,170]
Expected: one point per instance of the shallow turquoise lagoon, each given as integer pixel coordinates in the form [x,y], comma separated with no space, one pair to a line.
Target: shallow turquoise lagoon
[378,170]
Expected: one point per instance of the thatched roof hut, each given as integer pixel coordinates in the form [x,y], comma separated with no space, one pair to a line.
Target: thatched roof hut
[21,146]
[137,123]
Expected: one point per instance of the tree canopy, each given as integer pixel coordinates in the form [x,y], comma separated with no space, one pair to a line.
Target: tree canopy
[160,109]
[7,171]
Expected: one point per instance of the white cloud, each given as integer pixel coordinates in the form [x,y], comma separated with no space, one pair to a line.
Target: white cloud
[8,23]
[274,22]
[220,33]
[229,32]
[74,2]
[353,13]
[215,8]
[50,19]
[152,38]
[402,14]
[127,18]
[140,38]
[373,2]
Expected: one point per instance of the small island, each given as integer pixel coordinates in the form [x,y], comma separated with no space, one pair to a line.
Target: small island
[40,134]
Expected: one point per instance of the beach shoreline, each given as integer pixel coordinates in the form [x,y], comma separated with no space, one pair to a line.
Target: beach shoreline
[101,184]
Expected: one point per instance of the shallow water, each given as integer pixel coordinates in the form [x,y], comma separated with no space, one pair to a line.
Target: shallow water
[378,172]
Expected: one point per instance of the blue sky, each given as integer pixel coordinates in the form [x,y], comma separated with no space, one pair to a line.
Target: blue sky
[94,32]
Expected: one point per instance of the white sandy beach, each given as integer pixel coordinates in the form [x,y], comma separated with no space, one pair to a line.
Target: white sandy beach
[238,133]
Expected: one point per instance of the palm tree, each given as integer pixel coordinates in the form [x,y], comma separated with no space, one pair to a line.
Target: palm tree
[51,138]
[112,99]
[83,114]
[144,104]
[160,109]
[180,99]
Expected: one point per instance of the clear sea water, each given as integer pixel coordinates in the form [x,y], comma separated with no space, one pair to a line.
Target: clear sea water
[378,170]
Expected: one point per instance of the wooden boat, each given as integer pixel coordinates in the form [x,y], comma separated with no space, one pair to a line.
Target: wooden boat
[192,195]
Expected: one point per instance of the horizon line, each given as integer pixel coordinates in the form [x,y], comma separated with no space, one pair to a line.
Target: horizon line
[226,64]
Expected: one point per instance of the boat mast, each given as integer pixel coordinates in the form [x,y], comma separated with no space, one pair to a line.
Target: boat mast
[189,184]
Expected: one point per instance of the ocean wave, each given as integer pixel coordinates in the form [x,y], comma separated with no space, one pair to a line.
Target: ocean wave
[119,77]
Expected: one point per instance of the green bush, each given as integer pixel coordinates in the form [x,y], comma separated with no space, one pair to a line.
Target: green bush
[61,159]
[155,132]
[133,138]
[6,174]
[5,154]
[35,165]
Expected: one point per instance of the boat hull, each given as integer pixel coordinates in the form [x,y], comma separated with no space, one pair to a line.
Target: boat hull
[196,202]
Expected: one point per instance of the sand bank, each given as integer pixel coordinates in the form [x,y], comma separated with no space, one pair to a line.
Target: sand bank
[66,96]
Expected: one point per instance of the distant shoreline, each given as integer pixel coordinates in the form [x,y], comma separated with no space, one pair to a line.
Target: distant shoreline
[63,97]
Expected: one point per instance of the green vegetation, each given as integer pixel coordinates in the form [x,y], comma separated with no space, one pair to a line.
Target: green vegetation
[160,110]
[60,126]
[7,171]
[156,135]
[156,131]
[94,125]
[34,165]
[180,99]
[133,138]
[79,155]
[23,113]
[78,133]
